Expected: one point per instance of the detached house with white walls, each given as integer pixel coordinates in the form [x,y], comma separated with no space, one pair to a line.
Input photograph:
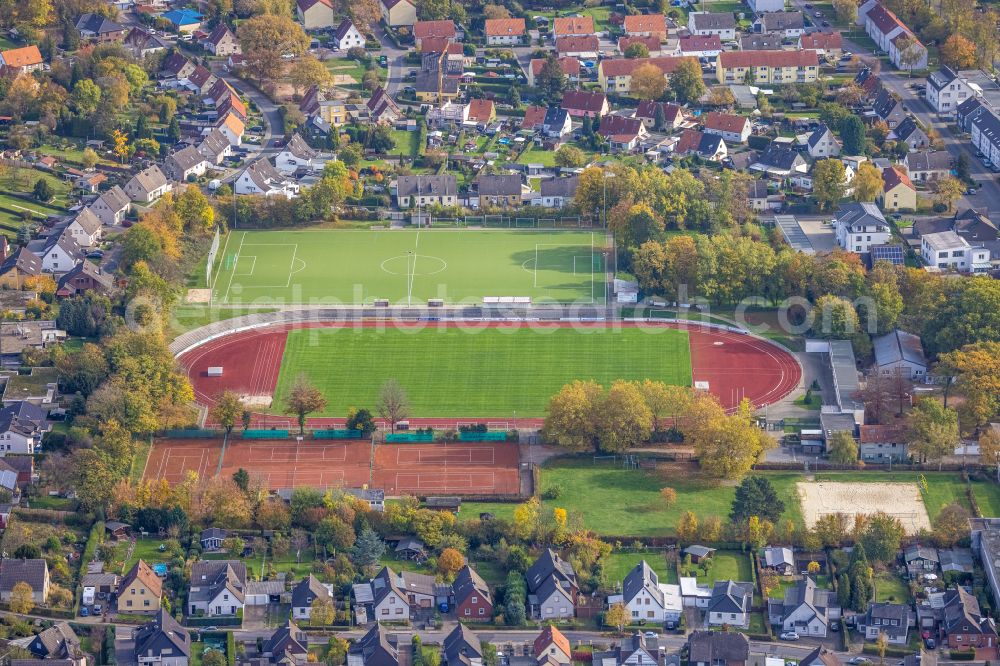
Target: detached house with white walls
[217,588]
[261,178]
[112,206]
[297,154]
[859,226]
[647,599]
[822,143]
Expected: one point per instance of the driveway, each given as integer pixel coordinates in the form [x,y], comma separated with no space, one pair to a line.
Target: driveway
[395,58]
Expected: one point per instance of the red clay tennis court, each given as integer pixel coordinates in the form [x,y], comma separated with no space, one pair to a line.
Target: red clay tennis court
[415,469]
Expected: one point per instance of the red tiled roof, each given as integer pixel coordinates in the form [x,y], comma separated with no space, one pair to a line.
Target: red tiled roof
[625,66]
[892,177]
[570,66]
[573,25]
[481,110]
[822,40]
[700,43]
[578,44]
[504,27]
[725,122]
[689,141]
[884,19]
[584,101]
[620,127]
[25,56]
[888,434]
[730,59]
[437,45]
[652,43]
[647,109]
[652,23]
[425,29]
[533,117]
[551,636]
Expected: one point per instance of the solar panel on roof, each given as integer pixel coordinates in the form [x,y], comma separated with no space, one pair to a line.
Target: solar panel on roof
[891,253]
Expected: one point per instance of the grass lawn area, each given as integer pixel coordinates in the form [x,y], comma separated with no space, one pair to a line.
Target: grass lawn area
[987,497]
[346,67]
[407,143]
[272,268]
[284,564]
[147,550]
[491,572]
[890,587]
[397,564]
[728,565]
[445,370]
[725,6]
[757,623]
[28,386]
[815,401]
[618,502]
[142,448]
[471,510]
[190,316]
[535,155]
[617,566]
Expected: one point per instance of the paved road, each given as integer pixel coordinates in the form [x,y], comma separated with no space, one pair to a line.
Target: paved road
[396,58]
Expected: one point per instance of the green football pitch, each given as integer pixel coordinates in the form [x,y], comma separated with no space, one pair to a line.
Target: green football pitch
[408,267]
[463,371]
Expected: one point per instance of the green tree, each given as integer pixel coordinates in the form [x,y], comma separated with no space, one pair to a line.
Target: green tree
[951,525]
[392,405]
[234,546]
[569,420]
[843,450]
[551,79]
[265,40]
[933,430]
[686,81]
[361,419]
[622,419]
[636,50]
[303,399]
[755,496]
[21,598]
[368,549]
[242,479]
[881,536]
[570,157]
[88,158]
[42,190]
[852,134]
[227,408]
[829,182]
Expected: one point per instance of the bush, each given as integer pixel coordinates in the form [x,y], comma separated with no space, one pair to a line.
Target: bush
[962,655]
[552,492]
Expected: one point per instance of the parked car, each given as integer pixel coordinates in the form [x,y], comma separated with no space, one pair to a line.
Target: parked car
[858,661]
[789,636]
[84,612]
[95,254]
[930,643]
[651,634]
[835,626]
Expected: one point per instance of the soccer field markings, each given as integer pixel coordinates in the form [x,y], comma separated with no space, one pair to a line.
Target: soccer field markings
[222,262]
[252,265]
[444,264]
[236,261]
[291,271]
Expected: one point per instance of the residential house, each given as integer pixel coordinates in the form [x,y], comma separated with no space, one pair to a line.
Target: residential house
[615,75]
[859,226]
[85,277]
[222,42]
[646,25]
[573,26]
[481,111]
[556,123]
[374,648]
[200,80]
[718,648]
[473,600]
[140,590]
[893,620]
[672,115]
[899,352]
[59,252]
[435,82]
[186,164]
[806,609]
[892,36]
[306,593]
[779,161]
[708,146]
[296,155]
[888,108]
[638,648]
[552,587]
[287,646]
[499,190]
[822,143]
[461,647]
[581,104]
[947,250]
[99,28]
[580,46]
[722,24]
[148,185]
[347,36]
[556,192]
[790,25]
[396,13]
[779,559]
[18,267]
[761,42]
[830,44]
[112,206]
[421,191]
[441,29]
[20,61]
[898,192]
[552,647]
[920,560]
[730,604]
[176,66]
[964,624]
[694,595]
[504,31]
[315,14]
[84,228]
[910,132]
[218,588]
[622,132]
[211,538]
[767,67]
[929,166]
[647,599]
[570,67]
[761,199]
[232,127]
[34,572]
[948,89]
[324,112]
[58,642]
[652,45]
[382,108]
[883,443]
[162,642]
[731,127]
[259,177]
[184,20]
[822,657]
[22,426]
[696,46]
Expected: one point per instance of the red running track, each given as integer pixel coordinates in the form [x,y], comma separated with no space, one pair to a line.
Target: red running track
[735,366]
